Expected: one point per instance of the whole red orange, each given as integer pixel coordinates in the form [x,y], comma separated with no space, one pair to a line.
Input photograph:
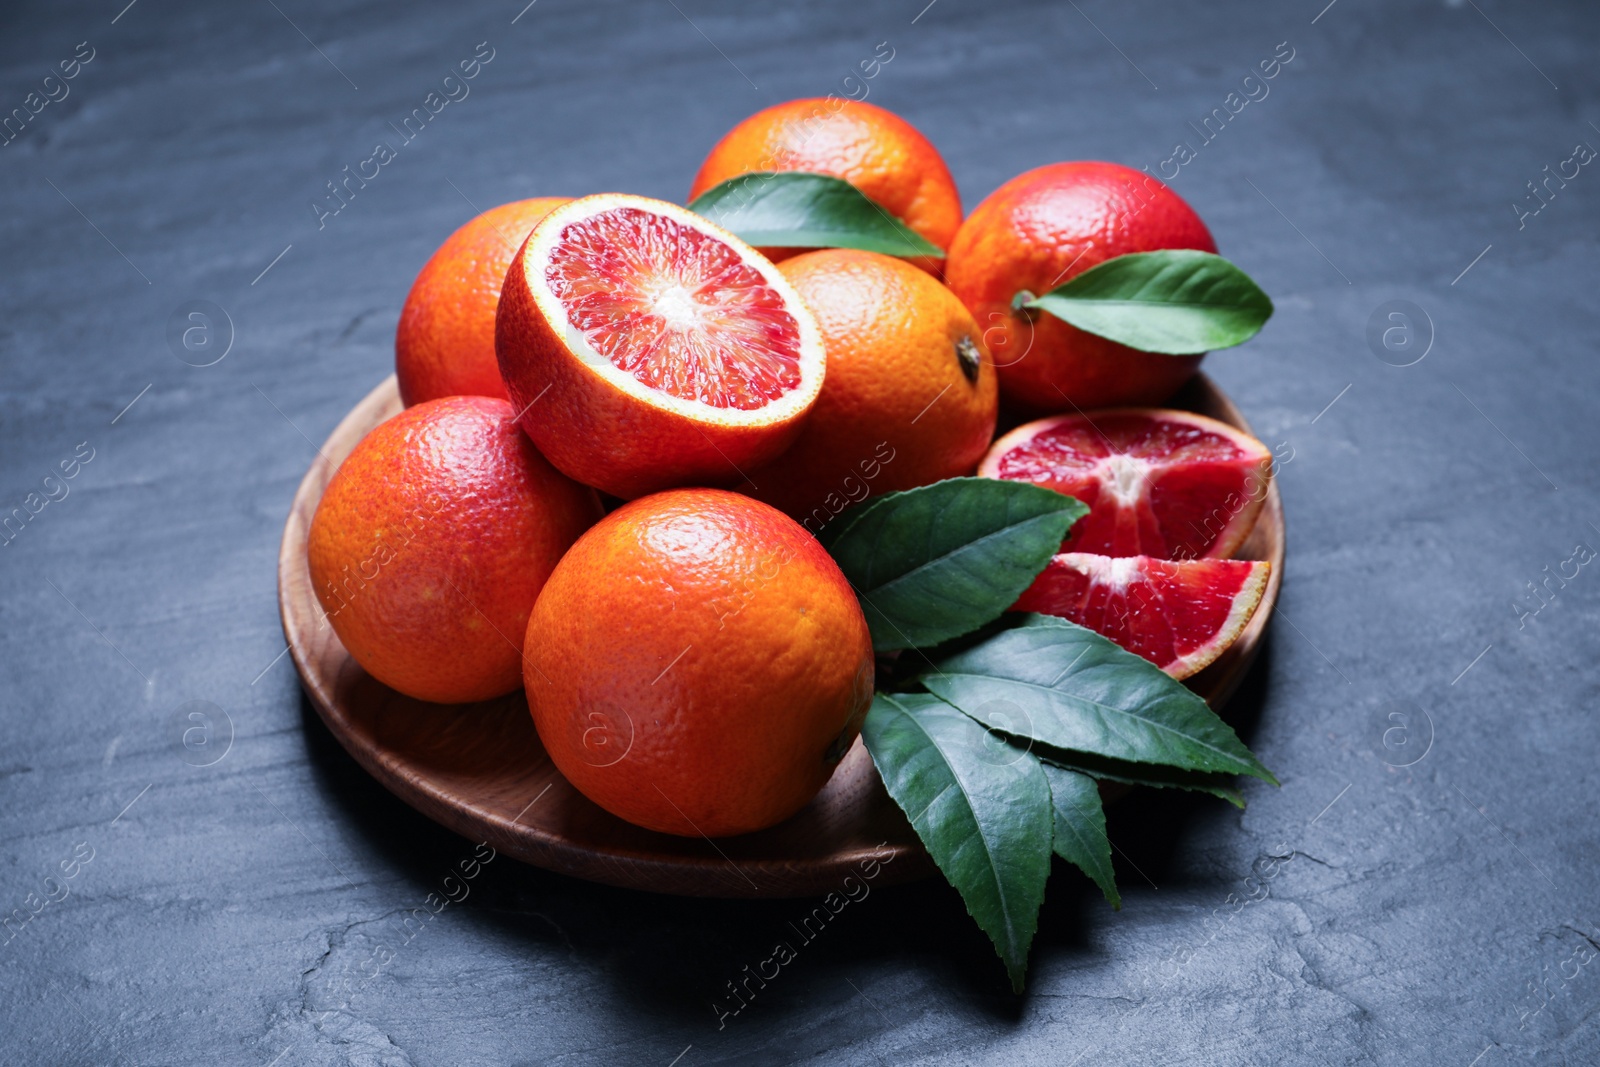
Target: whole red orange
[909,396]
[697,664]
[444,345]
[432,541]
[1036,232]
[872,148]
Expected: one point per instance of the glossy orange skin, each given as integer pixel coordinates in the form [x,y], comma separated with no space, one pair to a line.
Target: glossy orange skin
[897,408]
[1036,232]
[697,664]
[875,150]
[444,344]
[431,544]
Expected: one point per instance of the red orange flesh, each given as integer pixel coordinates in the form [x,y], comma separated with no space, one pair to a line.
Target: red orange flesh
[1170,484]
[646,348]
[1179,615]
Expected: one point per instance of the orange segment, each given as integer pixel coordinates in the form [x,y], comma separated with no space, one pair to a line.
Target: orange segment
[1178,615]
[1170,484]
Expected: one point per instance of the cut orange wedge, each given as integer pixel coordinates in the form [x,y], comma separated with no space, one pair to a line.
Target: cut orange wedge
[1170,484]
[1179,615]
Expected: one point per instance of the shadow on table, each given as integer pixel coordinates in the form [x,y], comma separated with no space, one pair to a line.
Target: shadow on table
[682,958]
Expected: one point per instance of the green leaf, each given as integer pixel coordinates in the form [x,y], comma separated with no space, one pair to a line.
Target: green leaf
[1150,774]
[1177,302]
[937,562]
[981,806]
[1070,688]
[793,209]
[1080,828]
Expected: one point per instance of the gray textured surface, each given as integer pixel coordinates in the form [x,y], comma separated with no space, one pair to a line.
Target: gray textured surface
[1437,913]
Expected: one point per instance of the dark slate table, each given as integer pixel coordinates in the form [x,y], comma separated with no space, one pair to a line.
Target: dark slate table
[1422,889]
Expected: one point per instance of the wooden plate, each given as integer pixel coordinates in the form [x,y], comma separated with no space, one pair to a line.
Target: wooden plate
[479,769]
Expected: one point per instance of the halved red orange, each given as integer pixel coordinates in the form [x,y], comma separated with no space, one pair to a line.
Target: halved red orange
[1170,484]
[645,347]
[1178,614]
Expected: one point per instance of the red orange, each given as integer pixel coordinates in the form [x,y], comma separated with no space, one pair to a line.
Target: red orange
[697,664]
[873,149]
[1171,484]
[444,344]
[909,397]
[1038,231]
[432,541]
[1179,615]
[645,347]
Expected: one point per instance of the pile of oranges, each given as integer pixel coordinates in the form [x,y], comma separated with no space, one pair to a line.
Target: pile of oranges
[625,427]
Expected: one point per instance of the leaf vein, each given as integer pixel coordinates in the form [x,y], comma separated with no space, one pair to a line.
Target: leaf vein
[1111,708]
[988,848]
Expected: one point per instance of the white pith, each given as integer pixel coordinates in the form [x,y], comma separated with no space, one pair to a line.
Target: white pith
[1116,573]
[1123,477]
[676,305]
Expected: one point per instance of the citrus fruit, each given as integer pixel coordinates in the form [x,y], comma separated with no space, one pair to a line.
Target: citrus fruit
[645,347]
[1036,232]
[875,150]
[697,664]
[1171,484]
[909,396]
[444,345]
[1179,615]
[431,543]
